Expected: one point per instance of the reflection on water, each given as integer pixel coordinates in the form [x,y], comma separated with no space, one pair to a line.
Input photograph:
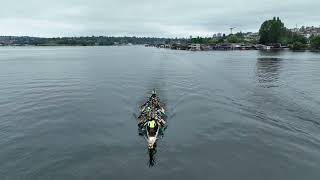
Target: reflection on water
[273,52]
[268,71]
[152,152]
[152,155]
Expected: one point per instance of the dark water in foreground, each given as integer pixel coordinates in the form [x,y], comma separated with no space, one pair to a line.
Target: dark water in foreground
[68,113]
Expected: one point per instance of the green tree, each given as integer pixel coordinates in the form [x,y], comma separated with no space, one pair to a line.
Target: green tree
[295,37]
[271,31]
[298,46]
[198,40]
[315,43]
[213,41]
[233,39]
[236,38]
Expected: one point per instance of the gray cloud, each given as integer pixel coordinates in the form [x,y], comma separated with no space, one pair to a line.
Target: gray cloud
[148,17]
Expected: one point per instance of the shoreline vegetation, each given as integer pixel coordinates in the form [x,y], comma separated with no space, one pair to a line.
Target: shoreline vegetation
[273,35]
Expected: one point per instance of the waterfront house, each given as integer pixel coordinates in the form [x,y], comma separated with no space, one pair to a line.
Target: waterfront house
[271,46]
[223,47]
[195,47]
[160,45]
[205,47]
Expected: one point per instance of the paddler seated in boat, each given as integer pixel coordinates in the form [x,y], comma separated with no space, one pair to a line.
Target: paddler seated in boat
[157,106]
[154,95]
[159,111]
[147,109]
[152,127]
[155,103]
[144,105]
[153,98]
[160,121]
[141,120]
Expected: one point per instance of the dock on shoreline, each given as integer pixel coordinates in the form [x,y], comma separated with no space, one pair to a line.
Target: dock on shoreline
[221,47]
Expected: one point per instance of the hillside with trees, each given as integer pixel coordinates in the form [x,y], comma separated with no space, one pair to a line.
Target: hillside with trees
[274,32]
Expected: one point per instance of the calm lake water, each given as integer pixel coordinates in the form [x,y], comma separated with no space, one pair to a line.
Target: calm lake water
[69,113]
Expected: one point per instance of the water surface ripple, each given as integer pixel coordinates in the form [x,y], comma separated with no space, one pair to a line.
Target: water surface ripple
[69,113]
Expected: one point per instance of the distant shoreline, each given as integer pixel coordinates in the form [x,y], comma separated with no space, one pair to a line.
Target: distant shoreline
[263,50]
[239,41]
[230,47]
[81,41]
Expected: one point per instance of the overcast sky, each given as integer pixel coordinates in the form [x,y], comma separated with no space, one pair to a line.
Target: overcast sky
[157,18]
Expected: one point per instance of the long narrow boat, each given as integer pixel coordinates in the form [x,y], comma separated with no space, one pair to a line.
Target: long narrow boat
[151,112]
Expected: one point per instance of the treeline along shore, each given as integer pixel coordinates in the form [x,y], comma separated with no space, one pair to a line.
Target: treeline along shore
[77,41]
[272,35]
